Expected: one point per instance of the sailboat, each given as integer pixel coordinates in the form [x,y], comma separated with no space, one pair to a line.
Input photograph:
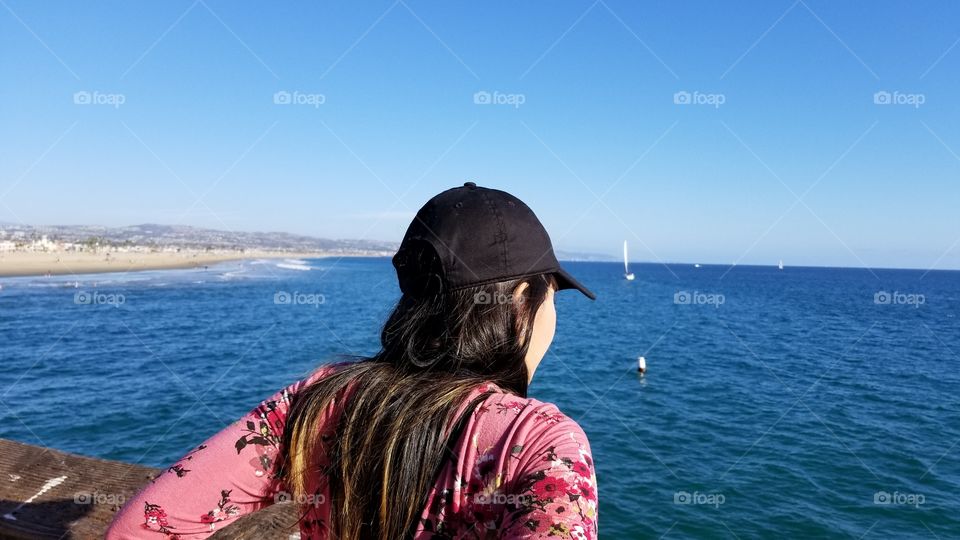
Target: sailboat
[626,270]
[780,266]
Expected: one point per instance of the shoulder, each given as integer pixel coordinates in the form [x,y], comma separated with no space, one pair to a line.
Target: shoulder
[274,409]
[317,374]
[531,426]
[541,453]
[528,412]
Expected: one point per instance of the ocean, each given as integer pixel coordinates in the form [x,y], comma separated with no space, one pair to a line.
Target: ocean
[802,403]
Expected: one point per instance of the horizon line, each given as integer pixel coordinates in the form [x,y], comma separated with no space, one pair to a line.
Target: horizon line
[601,257]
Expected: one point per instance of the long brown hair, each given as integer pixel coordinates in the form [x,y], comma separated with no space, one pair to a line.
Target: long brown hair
[396,411]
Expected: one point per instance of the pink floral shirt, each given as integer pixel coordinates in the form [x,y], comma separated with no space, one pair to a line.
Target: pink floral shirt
[523,470]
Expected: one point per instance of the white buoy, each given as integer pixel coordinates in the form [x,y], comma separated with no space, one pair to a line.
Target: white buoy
[641,364]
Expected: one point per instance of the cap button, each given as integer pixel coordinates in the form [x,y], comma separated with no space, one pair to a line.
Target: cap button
[470,185]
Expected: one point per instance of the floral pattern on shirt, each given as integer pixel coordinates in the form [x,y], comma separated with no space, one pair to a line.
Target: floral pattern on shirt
[521,469]
[559,500]
[224,510]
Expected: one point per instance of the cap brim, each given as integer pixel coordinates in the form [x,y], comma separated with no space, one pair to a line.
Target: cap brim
[566,281]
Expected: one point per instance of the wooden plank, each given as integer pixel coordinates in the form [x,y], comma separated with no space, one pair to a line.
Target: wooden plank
[45,493]
[275,522]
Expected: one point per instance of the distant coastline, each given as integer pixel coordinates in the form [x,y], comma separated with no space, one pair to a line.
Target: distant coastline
[24,249]
[27,250]
[26,263]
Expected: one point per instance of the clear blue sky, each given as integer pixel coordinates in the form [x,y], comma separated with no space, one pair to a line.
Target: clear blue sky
[797,163]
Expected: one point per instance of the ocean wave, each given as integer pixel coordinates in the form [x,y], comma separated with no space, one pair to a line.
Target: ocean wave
[288,266]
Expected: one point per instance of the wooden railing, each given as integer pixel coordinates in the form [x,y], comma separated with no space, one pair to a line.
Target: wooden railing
[45,493]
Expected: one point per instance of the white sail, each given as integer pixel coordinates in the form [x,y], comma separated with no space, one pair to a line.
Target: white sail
[626,270]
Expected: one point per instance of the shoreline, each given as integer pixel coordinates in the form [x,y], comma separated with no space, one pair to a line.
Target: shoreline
[40,264]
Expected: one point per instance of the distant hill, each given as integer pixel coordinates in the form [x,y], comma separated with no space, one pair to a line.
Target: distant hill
[580,256]
[184,236]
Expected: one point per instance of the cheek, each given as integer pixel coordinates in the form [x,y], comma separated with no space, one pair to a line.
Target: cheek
[546,322]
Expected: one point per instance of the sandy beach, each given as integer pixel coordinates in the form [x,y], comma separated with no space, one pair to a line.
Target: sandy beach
[20,263]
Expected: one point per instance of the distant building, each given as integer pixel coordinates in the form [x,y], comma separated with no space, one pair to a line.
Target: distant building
[43,244]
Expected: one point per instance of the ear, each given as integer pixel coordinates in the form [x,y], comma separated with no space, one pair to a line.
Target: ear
[518,292]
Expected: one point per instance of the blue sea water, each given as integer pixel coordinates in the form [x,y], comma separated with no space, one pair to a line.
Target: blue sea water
[803,403]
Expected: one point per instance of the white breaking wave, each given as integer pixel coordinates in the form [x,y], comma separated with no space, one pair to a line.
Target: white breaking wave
[293,266]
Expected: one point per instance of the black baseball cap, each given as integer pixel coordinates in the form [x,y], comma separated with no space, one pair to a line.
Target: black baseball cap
[480,235]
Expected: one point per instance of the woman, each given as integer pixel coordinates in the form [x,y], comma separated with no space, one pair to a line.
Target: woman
[433,437]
